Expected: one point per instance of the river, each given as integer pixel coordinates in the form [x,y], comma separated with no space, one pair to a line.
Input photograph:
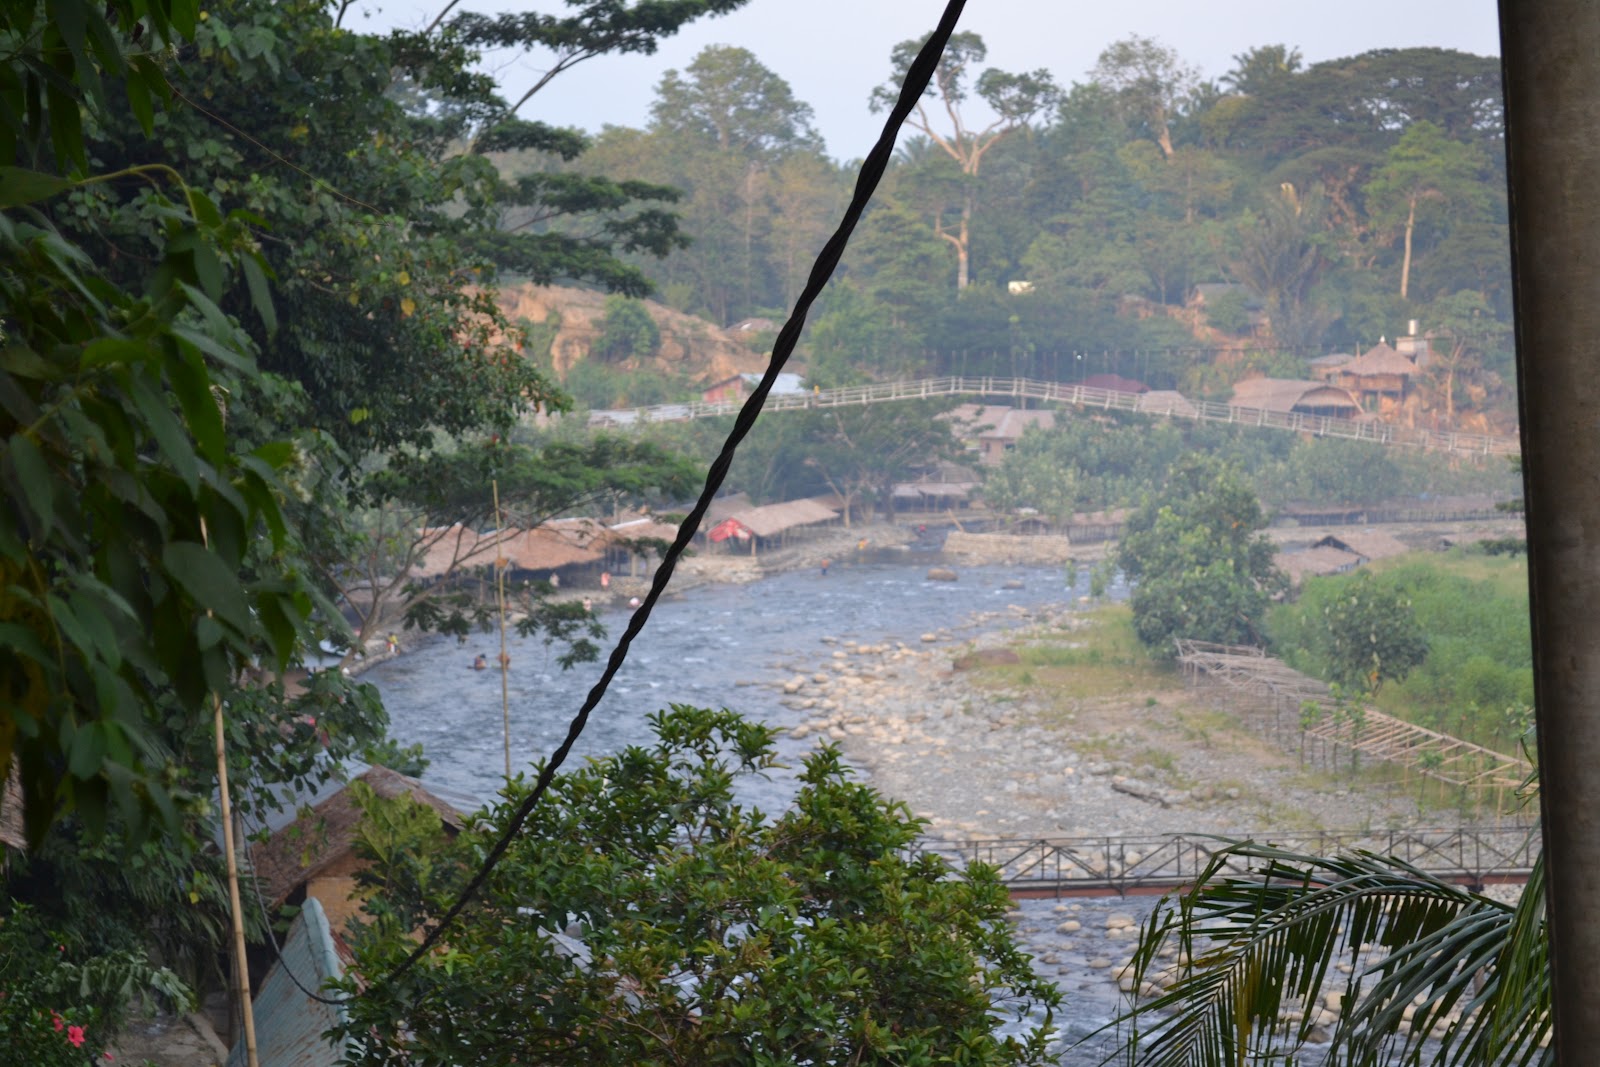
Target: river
[716,645]
[697,649]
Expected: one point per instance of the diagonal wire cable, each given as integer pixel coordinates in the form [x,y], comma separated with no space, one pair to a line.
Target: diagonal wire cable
[918,76]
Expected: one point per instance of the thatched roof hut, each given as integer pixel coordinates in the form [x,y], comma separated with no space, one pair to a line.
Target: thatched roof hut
[1291,395]
[315,854]
[1380,371]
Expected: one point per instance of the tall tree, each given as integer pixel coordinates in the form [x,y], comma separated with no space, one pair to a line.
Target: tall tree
[1281,258]
[1014,98]
[728,97]
[1424,173]
[1149,82]
[1462,332]
[1199,565]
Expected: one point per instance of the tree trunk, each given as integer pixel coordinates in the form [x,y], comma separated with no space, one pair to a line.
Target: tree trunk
[1405,263]
[964,246]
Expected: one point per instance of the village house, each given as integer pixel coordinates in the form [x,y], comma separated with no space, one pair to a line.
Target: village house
[770,526]
[992,430]
[315,855]
[1378,374]
[1287,395]
[944,487]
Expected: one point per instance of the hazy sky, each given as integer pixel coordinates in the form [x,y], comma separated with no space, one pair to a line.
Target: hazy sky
[834,51]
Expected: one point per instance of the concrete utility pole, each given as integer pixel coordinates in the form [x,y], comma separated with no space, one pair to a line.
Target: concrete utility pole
[1552,80]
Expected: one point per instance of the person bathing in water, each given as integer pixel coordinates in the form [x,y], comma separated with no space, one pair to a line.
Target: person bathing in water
[480,664]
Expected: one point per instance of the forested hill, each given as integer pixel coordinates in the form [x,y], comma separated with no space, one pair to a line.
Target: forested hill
[1311,208]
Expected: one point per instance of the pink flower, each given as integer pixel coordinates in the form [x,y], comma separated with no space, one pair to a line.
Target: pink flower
[75,1035]
[109,1056]
[57,1020]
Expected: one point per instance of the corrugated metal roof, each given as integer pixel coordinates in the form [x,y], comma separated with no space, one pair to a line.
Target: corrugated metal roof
[289,1024]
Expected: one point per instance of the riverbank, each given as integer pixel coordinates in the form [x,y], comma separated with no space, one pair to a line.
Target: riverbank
[957,726]
[961,731]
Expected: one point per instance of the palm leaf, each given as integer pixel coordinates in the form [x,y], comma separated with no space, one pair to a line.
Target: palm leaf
[1261,938]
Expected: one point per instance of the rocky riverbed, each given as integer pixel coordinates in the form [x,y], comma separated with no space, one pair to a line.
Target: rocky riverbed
[980,756]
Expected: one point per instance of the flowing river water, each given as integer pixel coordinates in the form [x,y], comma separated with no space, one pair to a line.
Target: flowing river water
[717,645]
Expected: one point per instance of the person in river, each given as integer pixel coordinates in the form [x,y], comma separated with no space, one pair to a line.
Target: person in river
[480,664]
[825,565]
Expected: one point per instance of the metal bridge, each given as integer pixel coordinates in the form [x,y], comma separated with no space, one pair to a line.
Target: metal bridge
[1130,866]
[1169,405]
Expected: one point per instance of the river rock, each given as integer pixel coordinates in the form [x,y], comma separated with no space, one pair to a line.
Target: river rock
[1013,584]
[942,574]
[930,638]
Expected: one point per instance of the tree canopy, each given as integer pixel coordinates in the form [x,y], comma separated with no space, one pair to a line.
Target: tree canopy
[647,916]
[1200,566]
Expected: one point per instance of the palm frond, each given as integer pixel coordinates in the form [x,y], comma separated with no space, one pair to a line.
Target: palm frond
[1426,971]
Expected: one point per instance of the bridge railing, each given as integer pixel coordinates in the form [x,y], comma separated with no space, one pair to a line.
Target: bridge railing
[1084,397]
[1475,856]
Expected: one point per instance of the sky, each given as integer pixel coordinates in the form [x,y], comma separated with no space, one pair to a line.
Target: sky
[833,52]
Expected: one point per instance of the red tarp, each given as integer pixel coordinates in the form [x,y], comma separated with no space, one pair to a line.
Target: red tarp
[728,528]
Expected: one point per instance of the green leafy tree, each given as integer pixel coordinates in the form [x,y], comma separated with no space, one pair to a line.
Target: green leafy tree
[1014,98]
[1423,176]
[428,500]
[861,452]
[649,917]
[1149,82]
[1465,334]
[1372,635]
[1198,562]
[628,331]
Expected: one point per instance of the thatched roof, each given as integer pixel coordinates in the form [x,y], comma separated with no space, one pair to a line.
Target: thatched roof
[448,548]
[298,852]
[1378,360]
[1285,395]
[773,519]
[725,507]
[1316,561]
[556,544]
[642,529]
[1368,544]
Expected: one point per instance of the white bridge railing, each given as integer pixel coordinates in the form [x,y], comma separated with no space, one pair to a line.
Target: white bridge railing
[1083,397]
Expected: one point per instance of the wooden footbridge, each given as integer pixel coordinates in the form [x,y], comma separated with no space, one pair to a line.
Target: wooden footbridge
[1165,405]
[1300,711]
[1475,857]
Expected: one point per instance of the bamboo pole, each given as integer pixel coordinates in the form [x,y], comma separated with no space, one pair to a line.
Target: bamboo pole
[241,965]
[500,562]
